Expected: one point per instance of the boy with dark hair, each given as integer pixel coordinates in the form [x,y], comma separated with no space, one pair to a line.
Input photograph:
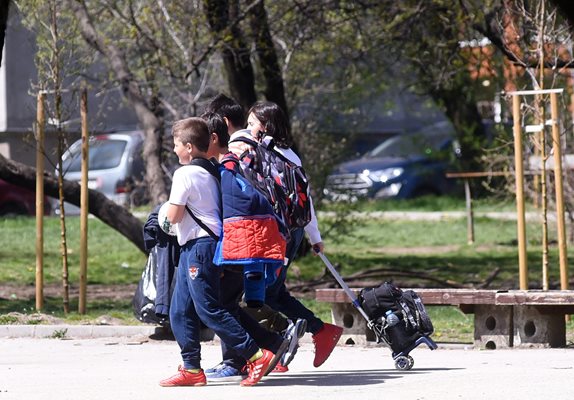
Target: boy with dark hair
[232,284]
[234,116]
[196,294]
[229,109]
[232,281]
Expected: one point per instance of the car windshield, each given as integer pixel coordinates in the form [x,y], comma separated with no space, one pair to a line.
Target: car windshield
[406,146]
[103,154]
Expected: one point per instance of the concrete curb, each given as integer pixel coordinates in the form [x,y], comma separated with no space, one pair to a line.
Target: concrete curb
[77,331]
[127,331]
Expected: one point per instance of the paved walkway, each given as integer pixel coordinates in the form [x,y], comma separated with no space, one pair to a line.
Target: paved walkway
[130,367]
[440,215]
[428,215]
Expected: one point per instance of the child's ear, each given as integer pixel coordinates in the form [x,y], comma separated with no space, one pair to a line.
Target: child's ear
[214,137]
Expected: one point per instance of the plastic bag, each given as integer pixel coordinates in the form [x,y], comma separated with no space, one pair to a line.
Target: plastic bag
[143,301]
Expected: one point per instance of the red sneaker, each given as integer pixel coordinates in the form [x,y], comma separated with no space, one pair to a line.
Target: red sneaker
[280,368]
[325,341]
[257,368]
[185,378]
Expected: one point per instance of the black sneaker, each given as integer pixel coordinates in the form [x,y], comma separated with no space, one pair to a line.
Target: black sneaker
[277,356]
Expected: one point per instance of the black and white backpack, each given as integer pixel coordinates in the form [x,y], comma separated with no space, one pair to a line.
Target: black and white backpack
[281,181]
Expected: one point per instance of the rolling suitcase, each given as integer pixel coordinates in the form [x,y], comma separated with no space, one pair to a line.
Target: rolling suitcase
[397,318]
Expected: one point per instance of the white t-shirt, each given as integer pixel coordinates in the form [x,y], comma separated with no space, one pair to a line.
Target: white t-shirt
[195,187]
[312,228]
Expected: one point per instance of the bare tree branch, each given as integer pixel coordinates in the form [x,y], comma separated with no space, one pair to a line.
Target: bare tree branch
[151,124]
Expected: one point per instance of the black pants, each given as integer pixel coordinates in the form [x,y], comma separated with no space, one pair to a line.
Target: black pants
[231,291]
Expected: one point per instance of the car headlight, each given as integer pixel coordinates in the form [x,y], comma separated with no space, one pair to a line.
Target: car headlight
[383,175]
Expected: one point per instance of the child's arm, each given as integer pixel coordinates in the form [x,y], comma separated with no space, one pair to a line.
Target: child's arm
[175,213]
[180,188]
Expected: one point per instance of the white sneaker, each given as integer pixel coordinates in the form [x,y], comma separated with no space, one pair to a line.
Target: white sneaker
[293,333]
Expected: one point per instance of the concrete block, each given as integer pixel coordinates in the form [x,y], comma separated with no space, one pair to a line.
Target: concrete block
[355,330]
[493,326]
[533,328]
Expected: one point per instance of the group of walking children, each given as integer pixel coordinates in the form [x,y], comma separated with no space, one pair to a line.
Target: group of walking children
[211,294]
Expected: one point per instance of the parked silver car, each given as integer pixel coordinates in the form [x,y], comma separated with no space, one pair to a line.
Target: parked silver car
[115,165]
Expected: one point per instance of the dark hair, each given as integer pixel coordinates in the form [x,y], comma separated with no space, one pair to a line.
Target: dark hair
[228,108]
[192,130]
[274,121]
[217,125]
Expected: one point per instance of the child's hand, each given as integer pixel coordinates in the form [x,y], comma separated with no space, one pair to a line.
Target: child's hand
[318,248]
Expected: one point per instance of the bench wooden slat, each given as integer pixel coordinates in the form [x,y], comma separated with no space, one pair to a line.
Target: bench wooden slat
[334,295]
[550,297]
[456,296]
[469,296]
[428,296]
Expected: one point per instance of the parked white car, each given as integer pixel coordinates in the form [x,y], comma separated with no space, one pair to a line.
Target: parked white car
[115,165]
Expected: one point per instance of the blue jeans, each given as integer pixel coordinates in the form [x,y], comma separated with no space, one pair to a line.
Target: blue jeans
[196,299]
[278,297]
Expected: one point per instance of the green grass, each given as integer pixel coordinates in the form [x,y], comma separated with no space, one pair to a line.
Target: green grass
[436,249]
[433,203]
[416,253]
[112,259]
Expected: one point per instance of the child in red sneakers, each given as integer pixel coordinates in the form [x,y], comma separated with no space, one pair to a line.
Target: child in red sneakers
[196,294]
[267,121]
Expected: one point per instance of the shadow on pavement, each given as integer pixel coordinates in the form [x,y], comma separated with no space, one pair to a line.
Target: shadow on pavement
[339,378]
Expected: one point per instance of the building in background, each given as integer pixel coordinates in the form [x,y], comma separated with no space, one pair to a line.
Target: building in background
[18,74]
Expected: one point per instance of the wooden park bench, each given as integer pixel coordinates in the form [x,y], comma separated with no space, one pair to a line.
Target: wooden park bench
[502,319]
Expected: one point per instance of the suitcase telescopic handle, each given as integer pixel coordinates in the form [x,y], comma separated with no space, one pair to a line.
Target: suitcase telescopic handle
[345,287]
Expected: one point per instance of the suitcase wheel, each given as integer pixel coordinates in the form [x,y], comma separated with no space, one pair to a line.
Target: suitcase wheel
[404,363]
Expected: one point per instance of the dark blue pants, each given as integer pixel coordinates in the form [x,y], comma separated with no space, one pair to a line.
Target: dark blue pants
[231,292]
[196,299]
[278,297]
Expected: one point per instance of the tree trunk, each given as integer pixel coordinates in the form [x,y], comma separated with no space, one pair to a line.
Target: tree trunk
[274,88]
[234,51]
[4,6]
[100,206]
[150,123]
[461,110]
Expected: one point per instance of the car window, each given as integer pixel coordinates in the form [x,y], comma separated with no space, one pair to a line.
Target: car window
[103,154]
[405,146]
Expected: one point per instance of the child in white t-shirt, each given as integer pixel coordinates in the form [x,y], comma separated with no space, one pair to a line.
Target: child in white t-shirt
[196,294]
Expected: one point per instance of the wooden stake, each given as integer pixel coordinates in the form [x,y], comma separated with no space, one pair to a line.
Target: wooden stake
[520,215]
[84,204]
[563,255]
[469,213]
[40,122]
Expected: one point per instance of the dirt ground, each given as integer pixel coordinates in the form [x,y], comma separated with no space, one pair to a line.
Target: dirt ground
[94,292]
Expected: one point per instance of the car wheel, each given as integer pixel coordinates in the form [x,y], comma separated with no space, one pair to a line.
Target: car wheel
[425,191]
[13,209]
